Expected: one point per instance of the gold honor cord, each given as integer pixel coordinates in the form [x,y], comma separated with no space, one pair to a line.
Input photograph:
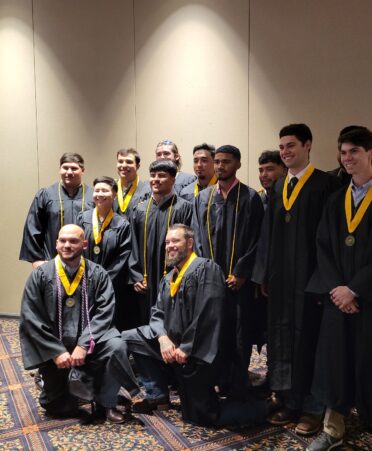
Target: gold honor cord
[174,286]
[61,202]
[97,234]
[353,223]
[123,203]
[212,181]
[235,224]
[70,288]
[288,203]
[145,275]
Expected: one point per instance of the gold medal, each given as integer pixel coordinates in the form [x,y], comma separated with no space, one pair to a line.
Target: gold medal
[287,217]
[96,250]
[350,240]
[70,302]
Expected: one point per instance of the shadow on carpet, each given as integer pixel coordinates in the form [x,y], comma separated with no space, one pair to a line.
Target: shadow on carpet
[24,426]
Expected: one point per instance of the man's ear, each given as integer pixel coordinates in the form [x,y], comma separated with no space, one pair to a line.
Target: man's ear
[85,244]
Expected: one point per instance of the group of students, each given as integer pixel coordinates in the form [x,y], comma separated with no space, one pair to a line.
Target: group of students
[188,260]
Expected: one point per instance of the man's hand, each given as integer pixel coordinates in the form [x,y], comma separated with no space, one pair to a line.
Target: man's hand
[78,356]
[344,299]
[167,349]
[63,360]
[235,282]
[140,287]
[37,263]
[180,356]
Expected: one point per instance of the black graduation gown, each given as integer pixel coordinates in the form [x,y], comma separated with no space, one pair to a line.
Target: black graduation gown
[193,321]
[286,258]
[343,371]
[222,217]
[115,250]
[183,179]
[39,334]
[187,192]
[142,192]
[43,221]
[156,233]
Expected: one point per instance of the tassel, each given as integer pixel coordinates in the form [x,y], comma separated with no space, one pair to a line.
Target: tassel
[91,346]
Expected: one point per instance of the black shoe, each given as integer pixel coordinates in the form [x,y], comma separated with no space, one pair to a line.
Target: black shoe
[147,406]
[324,442]
[114,416]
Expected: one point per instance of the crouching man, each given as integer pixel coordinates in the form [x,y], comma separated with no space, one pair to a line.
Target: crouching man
[66,316]
[184,332]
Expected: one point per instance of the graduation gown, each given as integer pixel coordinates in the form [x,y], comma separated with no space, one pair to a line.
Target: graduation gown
[343,371]
[187,192]
[39,334]
[43,221]
[193,321]
[115,250]
[222,220]
[286,258]
[142,192]
[183,179]
[156,233]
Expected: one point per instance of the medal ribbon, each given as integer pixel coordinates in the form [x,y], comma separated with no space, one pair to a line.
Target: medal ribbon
[97,234]
[235,224]
[288,203]
[123,203]
[174,286]
[352,223]
[212,181]
[70,288]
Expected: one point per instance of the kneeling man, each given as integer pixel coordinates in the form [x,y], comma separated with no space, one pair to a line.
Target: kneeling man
[66,316]
[184,332]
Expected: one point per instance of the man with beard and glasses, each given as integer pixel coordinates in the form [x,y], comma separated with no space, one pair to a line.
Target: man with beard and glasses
[227,220]
[185,333]
[203,159]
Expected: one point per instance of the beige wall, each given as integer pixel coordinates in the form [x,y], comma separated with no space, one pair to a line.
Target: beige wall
[91,76]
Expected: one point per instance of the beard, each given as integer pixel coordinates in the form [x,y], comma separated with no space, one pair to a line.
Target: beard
[174,261]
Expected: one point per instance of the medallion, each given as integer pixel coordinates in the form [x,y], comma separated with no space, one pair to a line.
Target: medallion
[96,250]
[70,302]
[350,240]
[287,217]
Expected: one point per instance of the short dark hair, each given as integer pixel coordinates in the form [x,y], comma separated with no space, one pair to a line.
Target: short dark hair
[108,180]
[301,131]
[232,150]
[361,137]
[271,156]
[188,231]
[124,152]
[350,128]
[164,166]
[70,157]
[204,146]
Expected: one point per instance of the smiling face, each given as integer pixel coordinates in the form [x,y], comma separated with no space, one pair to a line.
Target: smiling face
[269,173]
[177,247]
[225,166]
[355,159]
[71,174]
[203,166]
[165,152]
[127,167]
[70,244]
[103,195]
[293,153]
[161,182]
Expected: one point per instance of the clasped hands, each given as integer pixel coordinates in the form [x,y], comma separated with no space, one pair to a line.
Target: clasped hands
[344,299]
[67,360]
[170,353]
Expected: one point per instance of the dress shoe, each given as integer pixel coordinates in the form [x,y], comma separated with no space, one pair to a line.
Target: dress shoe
[308,424]
[147,406]
[283,416]
[115,416]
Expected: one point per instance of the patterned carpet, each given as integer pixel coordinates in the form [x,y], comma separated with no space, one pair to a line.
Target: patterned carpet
[24,426]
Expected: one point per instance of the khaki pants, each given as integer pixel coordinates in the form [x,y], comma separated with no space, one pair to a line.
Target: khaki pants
[334,423]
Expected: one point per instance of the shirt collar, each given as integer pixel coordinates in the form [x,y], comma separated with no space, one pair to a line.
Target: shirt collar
[164,199]
[235,182]
[361,188]
[299,175]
